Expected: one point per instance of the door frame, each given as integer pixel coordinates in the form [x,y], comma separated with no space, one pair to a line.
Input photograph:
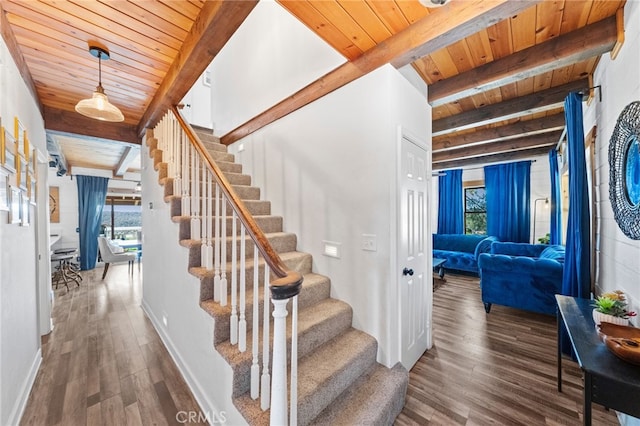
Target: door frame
[403,133]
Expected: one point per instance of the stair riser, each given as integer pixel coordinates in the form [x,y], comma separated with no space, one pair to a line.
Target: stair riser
[281,244]
[222,156]
[244,192]
[255,207]
[213,145]
[309,340]
[268,224]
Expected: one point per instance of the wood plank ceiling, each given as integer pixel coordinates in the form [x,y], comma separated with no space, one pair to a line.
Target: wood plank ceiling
[496,92]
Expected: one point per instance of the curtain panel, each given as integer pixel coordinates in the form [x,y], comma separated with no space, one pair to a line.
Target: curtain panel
[555,230]
[508,192]
[576,280]
[92,193]
[450,208]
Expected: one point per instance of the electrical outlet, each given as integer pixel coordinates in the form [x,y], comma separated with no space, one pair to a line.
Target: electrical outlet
[369,242]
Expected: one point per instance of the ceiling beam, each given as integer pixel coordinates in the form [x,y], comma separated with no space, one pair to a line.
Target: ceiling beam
[436,30]
[493,158]
[127,157]
[519,129]
[216,23]
[584,43]
[526,142]
[535,102]
[71,122]
[14,49]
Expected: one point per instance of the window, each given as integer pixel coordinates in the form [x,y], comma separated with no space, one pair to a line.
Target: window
[475,210]
[125,216]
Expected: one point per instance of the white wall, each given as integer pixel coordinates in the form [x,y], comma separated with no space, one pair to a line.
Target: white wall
[618,257]
[197,102]
[329,170]
[269,57]
[19,328]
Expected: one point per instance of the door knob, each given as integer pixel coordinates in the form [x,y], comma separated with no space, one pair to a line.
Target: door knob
[407,271]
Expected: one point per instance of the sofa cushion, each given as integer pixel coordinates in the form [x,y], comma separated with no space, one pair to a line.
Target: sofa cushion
[554,252]
[457,242]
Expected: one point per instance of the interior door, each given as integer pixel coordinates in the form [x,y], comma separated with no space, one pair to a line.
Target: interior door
[414,260]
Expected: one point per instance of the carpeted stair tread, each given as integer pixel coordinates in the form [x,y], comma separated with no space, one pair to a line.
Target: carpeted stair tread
[281,242]
[322,375]
[331,369]
[375,398]
[295,260]
[255,207]
[267,223]
[317,324]
[316,288]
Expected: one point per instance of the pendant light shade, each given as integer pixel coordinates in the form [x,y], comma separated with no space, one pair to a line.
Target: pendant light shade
[98,106]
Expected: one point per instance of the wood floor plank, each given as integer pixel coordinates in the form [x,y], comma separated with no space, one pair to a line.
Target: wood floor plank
[101,338]
[497,368]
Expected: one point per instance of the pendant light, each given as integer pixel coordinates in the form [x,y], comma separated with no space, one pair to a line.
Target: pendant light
[98,106]
[433,3]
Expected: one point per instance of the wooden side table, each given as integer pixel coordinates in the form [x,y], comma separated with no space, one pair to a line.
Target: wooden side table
[608,380]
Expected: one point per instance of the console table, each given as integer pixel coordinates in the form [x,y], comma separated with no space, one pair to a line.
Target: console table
[608,380]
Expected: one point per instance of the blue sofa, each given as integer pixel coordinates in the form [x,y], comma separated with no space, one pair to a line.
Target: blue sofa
[522,276]
[461,251]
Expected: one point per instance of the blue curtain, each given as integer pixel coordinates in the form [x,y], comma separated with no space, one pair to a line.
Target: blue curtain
[555,231]
[508,192]
[92,193]
[576,280]
[450,211]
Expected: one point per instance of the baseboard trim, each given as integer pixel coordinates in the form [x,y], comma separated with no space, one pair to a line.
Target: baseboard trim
[25,390]
[206,404]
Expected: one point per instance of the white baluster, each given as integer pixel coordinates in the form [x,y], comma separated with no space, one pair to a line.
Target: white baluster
[209,218]
[294,362]
[217,289]
[265,381]
[204,259]
[255,349]
[223,244]
[195,199]
[177,181]
[234,284]
[242,325]
[279,382]
[187,186]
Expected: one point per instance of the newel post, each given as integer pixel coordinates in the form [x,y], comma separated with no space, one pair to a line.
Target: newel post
[280,295]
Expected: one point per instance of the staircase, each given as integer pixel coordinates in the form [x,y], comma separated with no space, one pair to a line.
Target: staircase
[339,380]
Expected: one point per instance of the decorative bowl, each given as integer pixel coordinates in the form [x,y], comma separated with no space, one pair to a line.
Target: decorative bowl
[622,340]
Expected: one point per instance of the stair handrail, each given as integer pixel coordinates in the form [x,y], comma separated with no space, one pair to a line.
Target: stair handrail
[288,282]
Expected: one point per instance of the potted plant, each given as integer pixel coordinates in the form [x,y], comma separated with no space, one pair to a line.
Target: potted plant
[612,307]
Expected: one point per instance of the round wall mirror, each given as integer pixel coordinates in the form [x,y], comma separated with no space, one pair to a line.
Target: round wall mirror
[624,171]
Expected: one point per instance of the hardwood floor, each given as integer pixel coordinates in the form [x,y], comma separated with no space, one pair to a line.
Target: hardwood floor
[492,369]
[104,362]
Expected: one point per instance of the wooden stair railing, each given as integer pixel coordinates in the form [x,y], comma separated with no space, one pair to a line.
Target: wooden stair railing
[206,195]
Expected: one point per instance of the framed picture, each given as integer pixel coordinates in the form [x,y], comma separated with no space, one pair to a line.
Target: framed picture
[4,190]
[25,212]
[19,134]
[32,190]
[22,173]
[8,150]
[54,204]
[14,205]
